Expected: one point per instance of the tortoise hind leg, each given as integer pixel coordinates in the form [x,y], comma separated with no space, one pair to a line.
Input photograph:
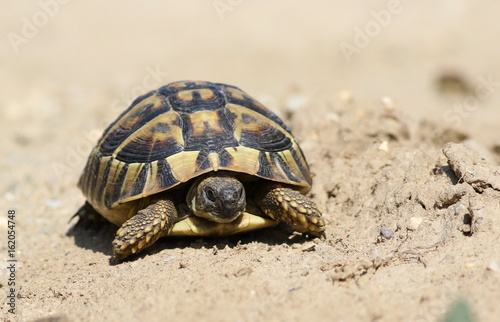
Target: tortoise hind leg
[285,204]
[144,229]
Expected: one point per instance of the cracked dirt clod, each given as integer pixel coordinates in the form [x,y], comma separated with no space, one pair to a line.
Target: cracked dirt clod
[452,195]
[471,168]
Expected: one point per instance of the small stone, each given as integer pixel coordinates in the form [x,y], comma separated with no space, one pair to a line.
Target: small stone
[295,103]
[494,266]
[388,103]
[460,210]
[309,247]
[415,223]
[470,265]
[472,172]
[384,146]
[9,196]
[387,233]
[168,259]
[53,203]
[346,96]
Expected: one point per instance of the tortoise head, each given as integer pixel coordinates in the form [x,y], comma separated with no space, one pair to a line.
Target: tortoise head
[219,198]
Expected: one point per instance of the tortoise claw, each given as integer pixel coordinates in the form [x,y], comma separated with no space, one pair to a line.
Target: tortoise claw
[298,211]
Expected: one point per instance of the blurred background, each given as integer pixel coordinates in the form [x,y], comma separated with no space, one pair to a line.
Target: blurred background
[428,56]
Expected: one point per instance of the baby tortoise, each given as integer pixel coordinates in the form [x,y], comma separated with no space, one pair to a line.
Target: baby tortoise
[199,159]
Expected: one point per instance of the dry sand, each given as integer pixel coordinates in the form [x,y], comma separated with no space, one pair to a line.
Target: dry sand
[373,92]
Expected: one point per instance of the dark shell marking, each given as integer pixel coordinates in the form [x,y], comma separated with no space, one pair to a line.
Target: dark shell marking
[182,130]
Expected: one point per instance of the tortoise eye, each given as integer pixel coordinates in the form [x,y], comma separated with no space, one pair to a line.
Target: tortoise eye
[210,194]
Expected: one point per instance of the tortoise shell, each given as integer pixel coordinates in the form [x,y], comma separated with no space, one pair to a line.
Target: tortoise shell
[183,130]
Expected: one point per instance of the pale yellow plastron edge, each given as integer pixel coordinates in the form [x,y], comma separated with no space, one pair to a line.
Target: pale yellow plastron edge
[195,226]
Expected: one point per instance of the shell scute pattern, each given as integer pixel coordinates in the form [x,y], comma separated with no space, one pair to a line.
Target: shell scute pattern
[185,129]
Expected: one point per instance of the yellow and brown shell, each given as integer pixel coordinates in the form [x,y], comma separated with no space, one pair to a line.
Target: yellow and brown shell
[183,130]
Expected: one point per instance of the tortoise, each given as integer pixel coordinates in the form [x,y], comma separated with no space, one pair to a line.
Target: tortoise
[195,158]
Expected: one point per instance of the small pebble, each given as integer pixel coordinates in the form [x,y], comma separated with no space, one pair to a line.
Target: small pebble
[470,265]
[53,203]
[472,172]
[346,96]
[415,223]
[386,233]
[295,103]
[387,103]
[384,146]
[9,196]
[460,210]
[309,247]
[168,259]
[494,266]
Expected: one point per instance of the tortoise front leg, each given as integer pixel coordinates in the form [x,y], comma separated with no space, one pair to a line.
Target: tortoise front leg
[285,204]
[144,229]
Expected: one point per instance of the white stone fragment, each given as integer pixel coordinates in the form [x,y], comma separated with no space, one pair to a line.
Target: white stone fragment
[415,223]
[384,146]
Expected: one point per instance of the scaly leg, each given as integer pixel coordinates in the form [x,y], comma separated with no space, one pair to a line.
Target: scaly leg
[144,229]
[285,204]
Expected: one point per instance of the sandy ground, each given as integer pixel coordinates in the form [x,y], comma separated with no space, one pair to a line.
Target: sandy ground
[373,92]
